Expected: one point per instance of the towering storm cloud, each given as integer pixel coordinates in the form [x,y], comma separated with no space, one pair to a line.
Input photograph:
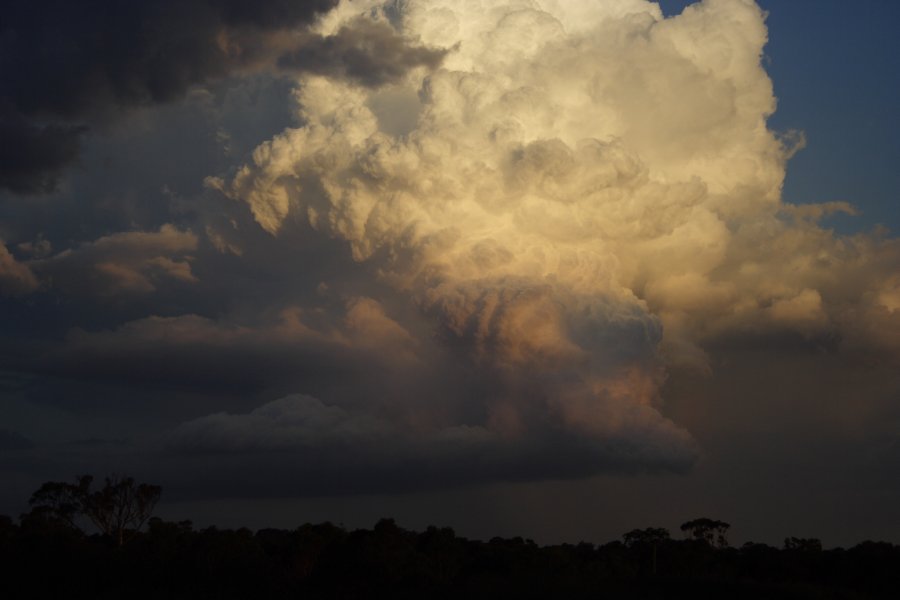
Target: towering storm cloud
[578,195]
[556,166]
[492,233]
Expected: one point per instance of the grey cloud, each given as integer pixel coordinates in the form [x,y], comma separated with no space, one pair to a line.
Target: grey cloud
[129,53]
[371,53]
[270,14]
[66,68]
[65,64]
[33,155]
[402,411]
[292,422]
[13,440]
[342,352]
[16,278]
[300,445]
[125,262]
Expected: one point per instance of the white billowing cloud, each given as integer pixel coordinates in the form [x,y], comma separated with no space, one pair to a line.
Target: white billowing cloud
[125,262]
[581,194]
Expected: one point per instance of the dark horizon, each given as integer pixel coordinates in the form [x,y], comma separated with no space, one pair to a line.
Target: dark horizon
[48,555]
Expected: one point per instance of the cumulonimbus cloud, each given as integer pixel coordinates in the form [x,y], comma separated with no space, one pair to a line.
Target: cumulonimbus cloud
[480,263]
[583,195]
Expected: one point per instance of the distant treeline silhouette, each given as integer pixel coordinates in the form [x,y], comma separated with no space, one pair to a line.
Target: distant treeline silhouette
[130,554]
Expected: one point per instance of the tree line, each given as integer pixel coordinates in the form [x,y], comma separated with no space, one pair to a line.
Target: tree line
[78,541]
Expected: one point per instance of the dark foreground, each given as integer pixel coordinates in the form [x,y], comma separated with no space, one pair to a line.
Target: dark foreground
[40,559]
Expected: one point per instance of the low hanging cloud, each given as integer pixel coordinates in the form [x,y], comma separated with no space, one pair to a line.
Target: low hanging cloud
[355,341]
[294,422]
[320,449]
[126,262]
[403,412]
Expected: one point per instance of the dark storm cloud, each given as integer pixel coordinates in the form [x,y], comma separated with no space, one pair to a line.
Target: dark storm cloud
[369,52]
[270,14]
[71,59]
[63,64]
[300,446]
[383,424]
[13,440]
[15,277]
[396,461]
[196,353]
[32,155]
[339,349]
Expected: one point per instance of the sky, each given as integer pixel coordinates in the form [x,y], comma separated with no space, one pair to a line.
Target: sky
[518,267]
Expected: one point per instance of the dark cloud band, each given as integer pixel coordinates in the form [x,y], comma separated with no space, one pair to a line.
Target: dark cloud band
[65,64]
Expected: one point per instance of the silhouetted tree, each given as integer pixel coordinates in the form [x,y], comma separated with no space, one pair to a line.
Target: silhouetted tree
[651,537]
[173,560]
[60,502]
[47,556]
[119,509]
[803,544]
[710,531]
